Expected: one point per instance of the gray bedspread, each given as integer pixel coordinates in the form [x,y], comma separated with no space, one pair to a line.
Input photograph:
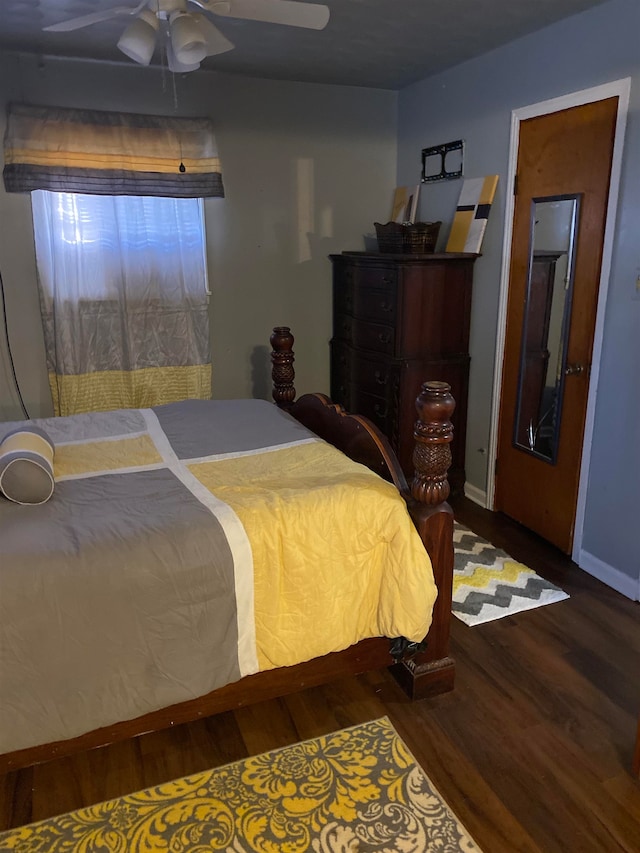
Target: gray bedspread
[121,594]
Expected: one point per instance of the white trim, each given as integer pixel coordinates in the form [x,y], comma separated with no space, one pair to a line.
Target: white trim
[126,469]
[617,88]
[207,286]
[492,449]
[624,584]
[478,496]
[101,439]
[257,451]
[237,539]
[623,91]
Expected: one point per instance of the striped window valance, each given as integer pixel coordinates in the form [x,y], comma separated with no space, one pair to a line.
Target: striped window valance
[109,153]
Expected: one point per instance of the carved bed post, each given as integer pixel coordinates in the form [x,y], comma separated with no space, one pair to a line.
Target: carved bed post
[282,370]
[433,433]
[433,517]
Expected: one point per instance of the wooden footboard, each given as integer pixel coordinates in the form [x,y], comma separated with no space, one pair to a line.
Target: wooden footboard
[430,670]
[422,671]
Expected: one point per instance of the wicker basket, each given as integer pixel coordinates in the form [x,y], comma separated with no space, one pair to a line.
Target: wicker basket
[414,239]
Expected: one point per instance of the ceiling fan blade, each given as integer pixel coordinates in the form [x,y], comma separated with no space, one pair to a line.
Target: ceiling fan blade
[216,41]
[94,18]
[313,16]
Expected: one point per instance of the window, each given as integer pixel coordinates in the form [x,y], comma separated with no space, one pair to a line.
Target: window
[93,246]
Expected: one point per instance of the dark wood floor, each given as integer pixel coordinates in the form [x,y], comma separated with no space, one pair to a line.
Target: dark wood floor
[532,749]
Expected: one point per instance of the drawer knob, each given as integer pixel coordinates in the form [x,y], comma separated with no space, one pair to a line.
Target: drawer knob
[386,307]
[387,280]
[381,378]
[384,337]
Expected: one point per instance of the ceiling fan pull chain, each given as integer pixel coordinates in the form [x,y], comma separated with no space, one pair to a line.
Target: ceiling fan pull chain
[175,107]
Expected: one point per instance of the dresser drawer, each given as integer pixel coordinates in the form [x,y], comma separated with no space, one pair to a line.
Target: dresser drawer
[351,368]
[343,295]
[374,376]
[343,327]
[373,304]
[373,336]
[365,335]
[341,368]
[377,409]
[383,278]
[363,301]
[373,292]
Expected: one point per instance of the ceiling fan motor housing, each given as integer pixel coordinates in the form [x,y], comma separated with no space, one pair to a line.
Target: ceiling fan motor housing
[165,8]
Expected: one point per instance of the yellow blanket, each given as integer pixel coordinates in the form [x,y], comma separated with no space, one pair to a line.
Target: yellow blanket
[336,556]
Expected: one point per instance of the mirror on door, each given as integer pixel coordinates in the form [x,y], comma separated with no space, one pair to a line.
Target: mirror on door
[546,325]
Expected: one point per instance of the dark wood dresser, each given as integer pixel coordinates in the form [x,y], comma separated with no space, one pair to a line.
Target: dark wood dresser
[398,321]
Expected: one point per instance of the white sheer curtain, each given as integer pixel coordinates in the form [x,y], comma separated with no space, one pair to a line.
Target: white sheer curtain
[123,290]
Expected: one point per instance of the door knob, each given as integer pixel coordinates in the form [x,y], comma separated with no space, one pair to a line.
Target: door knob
[573,369]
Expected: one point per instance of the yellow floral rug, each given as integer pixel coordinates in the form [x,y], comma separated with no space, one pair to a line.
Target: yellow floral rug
[357,790]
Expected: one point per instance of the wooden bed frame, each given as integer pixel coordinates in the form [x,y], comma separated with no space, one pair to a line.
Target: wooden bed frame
[422,670]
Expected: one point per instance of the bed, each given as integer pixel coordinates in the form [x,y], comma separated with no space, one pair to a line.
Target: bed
[204,555]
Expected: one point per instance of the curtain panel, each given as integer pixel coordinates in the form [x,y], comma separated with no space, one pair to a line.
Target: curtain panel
[109,153]
[123,298]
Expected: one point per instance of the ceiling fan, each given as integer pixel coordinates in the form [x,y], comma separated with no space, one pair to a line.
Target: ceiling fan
[191,35]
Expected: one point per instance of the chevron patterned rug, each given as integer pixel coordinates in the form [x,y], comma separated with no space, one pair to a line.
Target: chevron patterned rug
[489,584]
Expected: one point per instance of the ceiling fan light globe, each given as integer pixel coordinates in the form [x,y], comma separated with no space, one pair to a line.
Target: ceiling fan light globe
[178,67]
[189,44]
[148,17]
[138,41]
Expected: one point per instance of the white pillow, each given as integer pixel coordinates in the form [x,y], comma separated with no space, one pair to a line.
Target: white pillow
[26,465]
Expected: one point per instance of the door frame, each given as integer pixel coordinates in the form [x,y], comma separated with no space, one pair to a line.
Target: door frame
[620,88]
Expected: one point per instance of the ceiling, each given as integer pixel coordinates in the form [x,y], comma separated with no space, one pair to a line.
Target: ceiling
[378,43]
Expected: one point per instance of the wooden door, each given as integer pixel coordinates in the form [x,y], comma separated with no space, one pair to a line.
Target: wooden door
[563,155]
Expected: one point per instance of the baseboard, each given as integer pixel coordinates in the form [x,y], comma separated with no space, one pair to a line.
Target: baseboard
[628,586]
[478,496]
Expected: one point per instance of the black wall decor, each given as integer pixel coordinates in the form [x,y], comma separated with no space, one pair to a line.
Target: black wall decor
[434,161]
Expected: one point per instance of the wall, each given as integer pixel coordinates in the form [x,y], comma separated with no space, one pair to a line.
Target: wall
[474,102]
[307,169]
